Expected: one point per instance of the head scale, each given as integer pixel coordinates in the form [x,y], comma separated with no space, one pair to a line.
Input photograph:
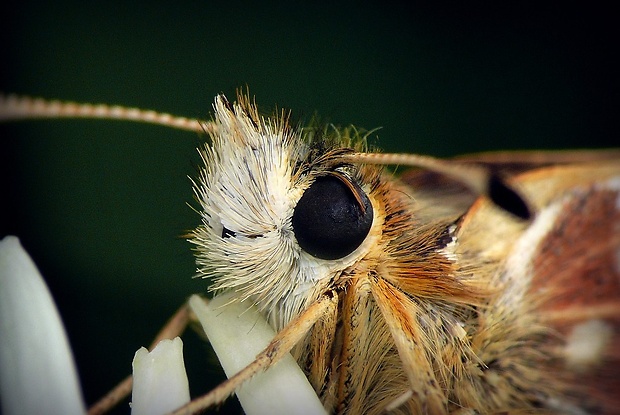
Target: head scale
[269,196]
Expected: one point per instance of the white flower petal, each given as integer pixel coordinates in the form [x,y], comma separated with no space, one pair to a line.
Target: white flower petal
[238,334]
[37,371]
[159,380]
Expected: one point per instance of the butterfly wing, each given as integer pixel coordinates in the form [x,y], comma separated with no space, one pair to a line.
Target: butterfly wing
[550,337]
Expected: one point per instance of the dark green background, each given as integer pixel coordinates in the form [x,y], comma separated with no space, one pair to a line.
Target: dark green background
[100,205]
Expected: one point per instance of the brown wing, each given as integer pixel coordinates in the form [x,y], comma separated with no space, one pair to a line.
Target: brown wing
[452,197]
[576,275]
[552,335]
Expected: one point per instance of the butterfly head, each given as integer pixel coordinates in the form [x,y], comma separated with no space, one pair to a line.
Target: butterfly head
[282,216]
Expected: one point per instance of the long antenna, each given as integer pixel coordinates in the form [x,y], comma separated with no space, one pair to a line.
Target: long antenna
[479,179]
[17,108]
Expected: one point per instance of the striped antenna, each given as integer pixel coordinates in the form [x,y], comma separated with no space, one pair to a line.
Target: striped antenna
[17,108]
[478,179]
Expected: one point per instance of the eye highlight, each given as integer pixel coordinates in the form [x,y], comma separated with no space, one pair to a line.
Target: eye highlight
[332,218]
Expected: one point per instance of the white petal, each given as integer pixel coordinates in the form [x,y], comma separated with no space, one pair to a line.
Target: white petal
[238,334]
[37,371]
[159,379]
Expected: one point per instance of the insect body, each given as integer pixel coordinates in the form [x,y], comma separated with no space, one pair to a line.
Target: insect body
[441,305]
[417,294]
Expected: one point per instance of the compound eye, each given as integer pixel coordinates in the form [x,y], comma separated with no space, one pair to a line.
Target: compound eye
[332,218]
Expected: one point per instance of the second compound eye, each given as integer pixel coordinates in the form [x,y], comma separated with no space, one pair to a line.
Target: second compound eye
[332,218]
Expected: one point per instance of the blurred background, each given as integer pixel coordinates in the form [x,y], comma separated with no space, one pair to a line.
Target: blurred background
[101,205]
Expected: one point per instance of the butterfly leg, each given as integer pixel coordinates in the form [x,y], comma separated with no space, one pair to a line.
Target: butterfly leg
[281,344]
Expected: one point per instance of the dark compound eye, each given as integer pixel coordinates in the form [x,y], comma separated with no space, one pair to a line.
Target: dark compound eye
[329,221]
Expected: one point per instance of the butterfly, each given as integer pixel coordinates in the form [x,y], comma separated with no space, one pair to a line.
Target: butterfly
[485,284]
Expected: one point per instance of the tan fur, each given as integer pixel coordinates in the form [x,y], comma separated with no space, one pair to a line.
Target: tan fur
[438,311]
[449,306]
